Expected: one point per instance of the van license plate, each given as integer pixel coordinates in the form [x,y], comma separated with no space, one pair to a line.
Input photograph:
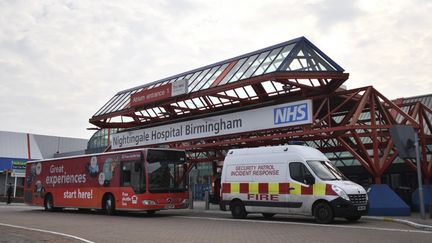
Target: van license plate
[361,208]
[169,206]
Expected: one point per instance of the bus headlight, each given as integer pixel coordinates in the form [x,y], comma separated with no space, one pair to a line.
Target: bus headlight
[185,201]
[341,193]
[149,202]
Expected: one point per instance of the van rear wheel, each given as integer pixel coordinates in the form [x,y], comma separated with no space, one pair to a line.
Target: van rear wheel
[323,213]
[238,210]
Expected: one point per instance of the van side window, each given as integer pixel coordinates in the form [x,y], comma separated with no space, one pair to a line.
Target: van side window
[299,172]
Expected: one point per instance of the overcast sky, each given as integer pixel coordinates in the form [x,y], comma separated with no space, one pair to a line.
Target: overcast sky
[60,61]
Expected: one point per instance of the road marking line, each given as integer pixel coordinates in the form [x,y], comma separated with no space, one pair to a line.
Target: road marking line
[307,224]
[47,231]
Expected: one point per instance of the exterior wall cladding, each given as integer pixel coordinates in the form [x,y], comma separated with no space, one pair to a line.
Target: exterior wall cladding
[24,147]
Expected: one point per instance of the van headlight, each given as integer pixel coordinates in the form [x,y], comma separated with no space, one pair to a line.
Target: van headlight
[149,202]
[341,193]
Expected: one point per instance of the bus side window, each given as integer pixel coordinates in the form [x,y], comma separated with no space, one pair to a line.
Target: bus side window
[126,174]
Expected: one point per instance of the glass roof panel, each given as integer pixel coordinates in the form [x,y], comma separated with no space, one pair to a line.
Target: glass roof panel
[199,78]
[269,88]
[192,79]
[250,91]
[214,100]
[269,59]
[105,106]
[255,64]
[198,102]
[241,93]
[151,113]
[117,101]
[205,79]
[243,69]
[279,59]
[214,77]
[232,71]
[114,101]
[321,60]
[126,100]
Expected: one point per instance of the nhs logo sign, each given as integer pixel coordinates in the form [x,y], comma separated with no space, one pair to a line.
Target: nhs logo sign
[295,113]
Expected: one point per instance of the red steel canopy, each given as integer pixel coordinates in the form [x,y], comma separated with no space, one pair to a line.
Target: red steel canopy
[347,124]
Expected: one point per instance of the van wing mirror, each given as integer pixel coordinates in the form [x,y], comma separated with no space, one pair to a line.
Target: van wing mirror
[309,179]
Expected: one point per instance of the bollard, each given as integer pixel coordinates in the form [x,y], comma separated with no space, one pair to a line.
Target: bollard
[430,210]
[206,199]
[190,198]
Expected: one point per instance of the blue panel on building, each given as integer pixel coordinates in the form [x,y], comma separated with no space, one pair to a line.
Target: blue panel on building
[383,201]
[427,198]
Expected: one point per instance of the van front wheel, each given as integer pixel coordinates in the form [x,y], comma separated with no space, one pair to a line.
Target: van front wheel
[323,213]
[238,210]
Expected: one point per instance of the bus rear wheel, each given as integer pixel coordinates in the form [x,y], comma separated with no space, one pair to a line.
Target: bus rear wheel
[48,203]
[109,205]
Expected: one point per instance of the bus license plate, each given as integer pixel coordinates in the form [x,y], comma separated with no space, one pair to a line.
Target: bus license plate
[361,208]
[169,206]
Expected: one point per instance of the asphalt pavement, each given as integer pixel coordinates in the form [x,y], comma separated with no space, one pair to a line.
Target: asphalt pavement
[414,220]
[22,223]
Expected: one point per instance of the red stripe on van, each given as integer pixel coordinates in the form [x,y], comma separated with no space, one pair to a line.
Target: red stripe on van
[329,190]
[244,187]
[306,190]
[283,188]
[226,188]
[263,188]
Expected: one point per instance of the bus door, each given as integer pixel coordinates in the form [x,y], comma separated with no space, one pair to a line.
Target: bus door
[133,175]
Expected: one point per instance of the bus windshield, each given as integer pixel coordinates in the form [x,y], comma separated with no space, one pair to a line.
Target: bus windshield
[166,171]
[326,170]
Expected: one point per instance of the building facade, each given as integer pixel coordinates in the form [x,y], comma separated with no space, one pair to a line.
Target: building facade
[18,148]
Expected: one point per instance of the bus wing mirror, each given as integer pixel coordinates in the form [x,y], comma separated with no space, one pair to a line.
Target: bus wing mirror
[137,167]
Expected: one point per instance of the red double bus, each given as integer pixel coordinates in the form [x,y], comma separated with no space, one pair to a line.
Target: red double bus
[132,180]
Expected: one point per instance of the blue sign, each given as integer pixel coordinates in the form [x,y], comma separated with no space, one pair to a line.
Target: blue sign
[291,113]
[6,163]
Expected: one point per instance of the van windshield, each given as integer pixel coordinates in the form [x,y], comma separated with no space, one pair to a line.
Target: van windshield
[326,170]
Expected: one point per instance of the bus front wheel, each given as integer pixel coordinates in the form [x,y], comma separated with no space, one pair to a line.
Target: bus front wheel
[109,204]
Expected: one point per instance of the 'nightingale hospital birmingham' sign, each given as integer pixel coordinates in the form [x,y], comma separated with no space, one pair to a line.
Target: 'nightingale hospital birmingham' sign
[276,116]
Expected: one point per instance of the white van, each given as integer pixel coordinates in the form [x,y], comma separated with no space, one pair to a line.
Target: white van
[289,179]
